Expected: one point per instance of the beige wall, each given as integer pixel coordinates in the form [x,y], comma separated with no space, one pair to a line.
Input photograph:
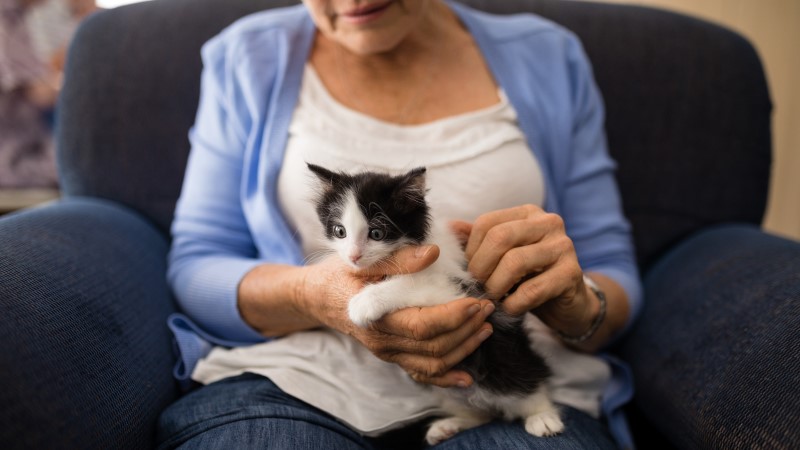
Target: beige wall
[773,26]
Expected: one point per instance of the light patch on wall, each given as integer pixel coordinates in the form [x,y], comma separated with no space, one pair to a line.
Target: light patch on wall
[115,3]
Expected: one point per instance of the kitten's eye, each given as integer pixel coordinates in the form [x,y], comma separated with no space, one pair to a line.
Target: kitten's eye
[339,231]
[376,234]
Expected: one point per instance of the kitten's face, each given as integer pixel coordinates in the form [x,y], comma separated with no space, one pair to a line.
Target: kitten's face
[368,216]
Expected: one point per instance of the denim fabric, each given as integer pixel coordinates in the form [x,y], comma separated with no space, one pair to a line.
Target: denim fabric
[249,411]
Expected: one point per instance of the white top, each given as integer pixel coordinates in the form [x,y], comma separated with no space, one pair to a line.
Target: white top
[477,162]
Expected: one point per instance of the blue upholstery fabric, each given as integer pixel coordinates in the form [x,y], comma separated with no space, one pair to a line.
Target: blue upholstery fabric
[715,353]
[87,358]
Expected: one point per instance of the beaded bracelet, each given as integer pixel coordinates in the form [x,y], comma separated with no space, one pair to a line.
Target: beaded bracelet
[597,321]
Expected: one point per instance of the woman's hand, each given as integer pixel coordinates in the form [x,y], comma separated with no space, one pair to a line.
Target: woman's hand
[425,341]
[428,341]
[524,253]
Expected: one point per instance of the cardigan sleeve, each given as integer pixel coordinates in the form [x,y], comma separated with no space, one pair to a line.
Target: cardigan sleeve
[590,200]
[212,247]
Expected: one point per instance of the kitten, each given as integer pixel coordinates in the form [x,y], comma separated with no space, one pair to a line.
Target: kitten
[366,217]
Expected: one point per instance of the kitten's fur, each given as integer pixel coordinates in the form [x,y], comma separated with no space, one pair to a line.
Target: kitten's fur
[366,217]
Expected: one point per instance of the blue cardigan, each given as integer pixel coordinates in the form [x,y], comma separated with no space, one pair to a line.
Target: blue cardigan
[228,218]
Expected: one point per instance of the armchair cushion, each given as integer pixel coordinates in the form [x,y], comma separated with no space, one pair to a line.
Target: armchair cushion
[715,352]
[86,360]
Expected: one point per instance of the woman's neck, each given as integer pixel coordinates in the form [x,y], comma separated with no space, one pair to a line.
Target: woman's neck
[438,30]
[420,79]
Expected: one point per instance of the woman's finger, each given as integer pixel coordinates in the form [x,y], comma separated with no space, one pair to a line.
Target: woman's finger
[408,259]
[521,263]
[433,370]
[445,343]
[560,281]
[424,323]
[453,378]
[487,221]
[462,230]
[498,241]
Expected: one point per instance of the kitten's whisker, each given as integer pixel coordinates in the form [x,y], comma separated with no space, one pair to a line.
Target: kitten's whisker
[381,216]
[392,265]
[317,256]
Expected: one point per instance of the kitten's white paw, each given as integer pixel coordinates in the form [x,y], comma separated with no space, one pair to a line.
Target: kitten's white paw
[443,429]
[363,309]
[547,423]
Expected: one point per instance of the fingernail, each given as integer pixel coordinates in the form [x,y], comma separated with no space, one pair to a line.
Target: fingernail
[462,384]
[488,310]
[473,310]
[421,251]
[484,334]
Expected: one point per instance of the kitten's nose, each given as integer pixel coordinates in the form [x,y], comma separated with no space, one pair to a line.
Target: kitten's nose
[355,257]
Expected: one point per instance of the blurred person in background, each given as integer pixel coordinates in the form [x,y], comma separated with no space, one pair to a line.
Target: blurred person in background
[34,35]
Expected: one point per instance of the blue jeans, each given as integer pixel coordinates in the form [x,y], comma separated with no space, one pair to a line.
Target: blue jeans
[249,411]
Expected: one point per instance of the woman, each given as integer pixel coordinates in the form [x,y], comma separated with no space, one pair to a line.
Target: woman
[504,113]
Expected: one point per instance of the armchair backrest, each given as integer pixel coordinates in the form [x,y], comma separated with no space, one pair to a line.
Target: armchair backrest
[688,110]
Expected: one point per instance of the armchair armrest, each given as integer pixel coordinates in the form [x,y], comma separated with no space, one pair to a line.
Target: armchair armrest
[87,357]
[715,352]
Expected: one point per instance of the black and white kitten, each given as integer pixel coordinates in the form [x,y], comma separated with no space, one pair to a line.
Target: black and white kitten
[366,217]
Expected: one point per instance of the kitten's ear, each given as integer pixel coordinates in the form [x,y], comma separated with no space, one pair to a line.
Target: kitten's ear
[327,177]
[415,180]
[412,186]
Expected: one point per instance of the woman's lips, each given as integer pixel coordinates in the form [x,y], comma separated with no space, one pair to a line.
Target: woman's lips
[366,13]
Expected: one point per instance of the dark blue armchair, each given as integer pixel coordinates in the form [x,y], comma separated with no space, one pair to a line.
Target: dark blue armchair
[87,358]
